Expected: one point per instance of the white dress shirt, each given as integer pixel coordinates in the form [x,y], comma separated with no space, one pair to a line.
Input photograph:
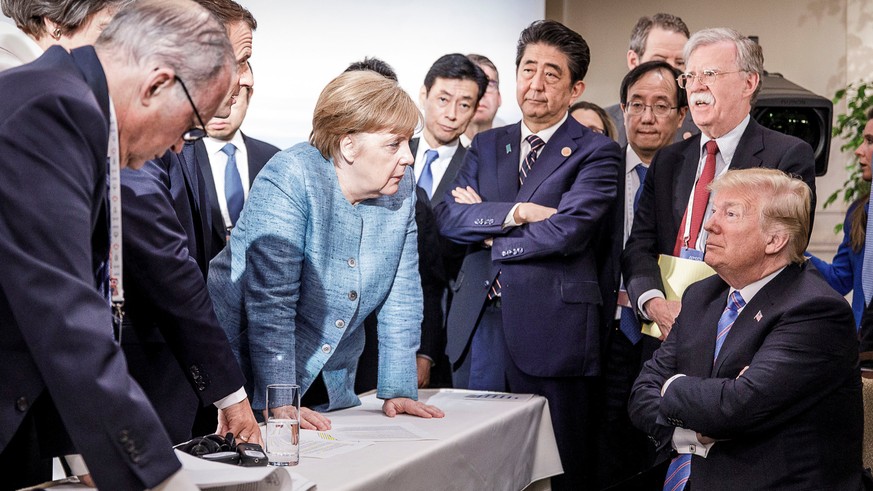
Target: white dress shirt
[439,166]
[218,163]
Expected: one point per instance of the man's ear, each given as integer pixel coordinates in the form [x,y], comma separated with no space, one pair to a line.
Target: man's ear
[577,90]
[158,81]
[776,242]
[632,59]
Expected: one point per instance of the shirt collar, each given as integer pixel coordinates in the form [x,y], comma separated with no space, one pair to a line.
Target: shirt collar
[544,134]
[214,145]
[749,291]
[632,160]
[727,143]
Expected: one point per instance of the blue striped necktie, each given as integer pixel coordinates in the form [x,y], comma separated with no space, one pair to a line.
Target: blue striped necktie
[680,467]
[536,143]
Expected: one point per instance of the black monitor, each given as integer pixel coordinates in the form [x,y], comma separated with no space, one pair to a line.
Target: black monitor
[789,108]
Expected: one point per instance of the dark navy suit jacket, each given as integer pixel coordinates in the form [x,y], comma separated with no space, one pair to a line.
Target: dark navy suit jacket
[794,419]
[176,349]
[552,291]
[55,328]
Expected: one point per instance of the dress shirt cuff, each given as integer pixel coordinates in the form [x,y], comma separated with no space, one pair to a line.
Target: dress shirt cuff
[232,399]
[509,221]
[685,441]
[177,481]
[645,297]
[77,464]
[670,381]
[422,355]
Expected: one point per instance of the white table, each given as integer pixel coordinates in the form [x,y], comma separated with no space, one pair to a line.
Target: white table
[478,445]
[493,445]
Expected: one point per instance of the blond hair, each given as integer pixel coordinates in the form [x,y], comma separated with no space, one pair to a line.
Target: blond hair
[782,201]
[360,102]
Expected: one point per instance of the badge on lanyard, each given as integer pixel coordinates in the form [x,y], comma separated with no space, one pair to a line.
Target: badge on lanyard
[689,253]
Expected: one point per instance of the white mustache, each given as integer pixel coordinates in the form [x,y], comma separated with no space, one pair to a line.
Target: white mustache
[700,97]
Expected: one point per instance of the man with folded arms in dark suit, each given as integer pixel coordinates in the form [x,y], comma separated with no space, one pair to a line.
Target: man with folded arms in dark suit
[532,200]
[65,381]
[723,78]
[757,386]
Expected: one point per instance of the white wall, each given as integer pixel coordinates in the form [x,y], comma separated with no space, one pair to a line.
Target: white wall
[300,46]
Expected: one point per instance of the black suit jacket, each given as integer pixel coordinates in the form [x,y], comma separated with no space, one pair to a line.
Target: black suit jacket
[176,349]
[258,153]
[668,186]
[794,419]
[56,341]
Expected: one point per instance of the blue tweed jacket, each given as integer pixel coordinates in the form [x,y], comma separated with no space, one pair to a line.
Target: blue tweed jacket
[304,268]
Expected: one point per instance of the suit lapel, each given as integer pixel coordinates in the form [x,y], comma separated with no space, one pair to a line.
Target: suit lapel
[750,144]
[685,180]
[211,192]
[508,149]
[449,176]
[756,315]
[560,146]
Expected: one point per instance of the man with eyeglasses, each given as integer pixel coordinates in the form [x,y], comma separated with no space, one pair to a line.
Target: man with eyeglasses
[722,79]
[175,348]
[71,120]
[654,107]
[486,113]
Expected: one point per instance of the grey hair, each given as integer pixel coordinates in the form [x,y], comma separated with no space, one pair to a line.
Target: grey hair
[69,14]
[178,34]
[750,58]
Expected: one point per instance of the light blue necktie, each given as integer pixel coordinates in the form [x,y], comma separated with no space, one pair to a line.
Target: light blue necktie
[680,467]
[233,190]
[867,268]
[629,324]
[425,180]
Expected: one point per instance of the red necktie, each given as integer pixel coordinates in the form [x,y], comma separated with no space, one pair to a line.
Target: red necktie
[701,200]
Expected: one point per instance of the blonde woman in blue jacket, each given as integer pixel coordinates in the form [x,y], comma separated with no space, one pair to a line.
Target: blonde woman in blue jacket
[328,236]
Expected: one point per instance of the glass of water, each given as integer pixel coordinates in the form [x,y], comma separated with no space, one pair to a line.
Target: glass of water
[283,424]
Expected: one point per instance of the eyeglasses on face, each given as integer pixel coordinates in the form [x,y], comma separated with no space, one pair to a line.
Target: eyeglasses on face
[193,134]
[706,77]
[636,108]
[493,85]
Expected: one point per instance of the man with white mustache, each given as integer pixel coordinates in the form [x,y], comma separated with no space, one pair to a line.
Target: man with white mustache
[722,80]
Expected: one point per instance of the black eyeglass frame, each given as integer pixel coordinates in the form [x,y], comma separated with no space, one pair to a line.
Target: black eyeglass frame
[192,134]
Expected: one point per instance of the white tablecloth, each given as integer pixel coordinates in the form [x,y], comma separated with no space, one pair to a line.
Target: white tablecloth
[480,444]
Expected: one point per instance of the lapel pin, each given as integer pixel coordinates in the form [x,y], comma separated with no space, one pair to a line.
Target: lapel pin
[759,316]
[508,148]
[566,151]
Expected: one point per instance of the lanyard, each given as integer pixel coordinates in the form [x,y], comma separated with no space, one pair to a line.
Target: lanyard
[115,268]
